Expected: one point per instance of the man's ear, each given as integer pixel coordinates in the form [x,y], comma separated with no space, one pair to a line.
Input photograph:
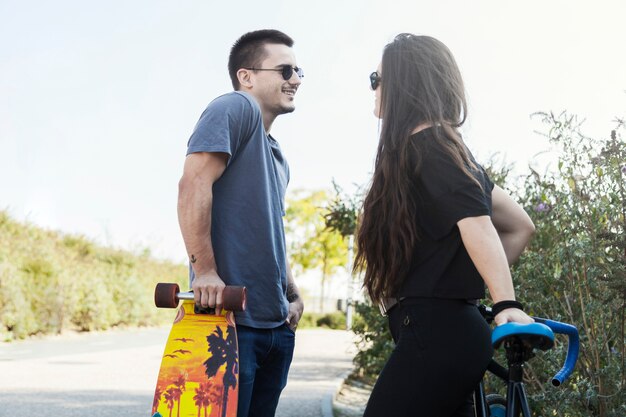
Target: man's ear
[244,77]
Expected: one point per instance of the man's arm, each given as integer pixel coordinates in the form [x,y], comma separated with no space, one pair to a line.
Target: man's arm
[296,306]
[514,226]
[195,201]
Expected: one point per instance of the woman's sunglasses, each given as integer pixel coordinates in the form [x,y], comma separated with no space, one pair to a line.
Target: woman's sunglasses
[375,80]
[285,70]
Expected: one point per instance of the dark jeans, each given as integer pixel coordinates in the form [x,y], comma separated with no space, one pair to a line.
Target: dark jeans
[264,359]
[442,351]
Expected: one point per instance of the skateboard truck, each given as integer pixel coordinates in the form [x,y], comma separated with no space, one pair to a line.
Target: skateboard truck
[167,295]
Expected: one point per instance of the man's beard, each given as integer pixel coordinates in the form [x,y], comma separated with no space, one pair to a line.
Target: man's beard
[284,110]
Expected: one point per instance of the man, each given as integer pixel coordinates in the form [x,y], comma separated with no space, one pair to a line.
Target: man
[230,208]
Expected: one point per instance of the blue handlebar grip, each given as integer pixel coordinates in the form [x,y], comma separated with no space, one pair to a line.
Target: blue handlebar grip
[572,349]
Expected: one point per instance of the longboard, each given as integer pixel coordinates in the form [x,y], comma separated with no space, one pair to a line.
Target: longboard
[199,371]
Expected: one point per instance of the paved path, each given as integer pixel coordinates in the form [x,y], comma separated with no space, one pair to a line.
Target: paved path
[112,374]
[321,361]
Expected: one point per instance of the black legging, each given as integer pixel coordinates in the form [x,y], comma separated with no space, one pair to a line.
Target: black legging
[442,351]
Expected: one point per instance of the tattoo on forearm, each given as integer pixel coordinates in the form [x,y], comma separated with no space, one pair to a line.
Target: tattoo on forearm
[193,259]
[292,293]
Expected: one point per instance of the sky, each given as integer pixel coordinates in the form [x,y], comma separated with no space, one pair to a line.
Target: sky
[99,98]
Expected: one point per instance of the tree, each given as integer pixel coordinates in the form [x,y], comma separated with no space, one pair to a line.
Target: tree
[223,352]
[342,217]
[205,396]
[157,399]
[170,397]
[181,381]
[200,398]
[313,246]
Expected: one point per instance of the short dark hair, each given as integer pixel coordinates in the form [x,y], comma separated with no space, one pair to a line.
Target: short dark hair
[249,50]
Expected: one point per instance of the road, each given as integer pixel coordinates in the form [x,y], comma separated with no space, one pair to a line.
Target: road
[112,374]
[321,361]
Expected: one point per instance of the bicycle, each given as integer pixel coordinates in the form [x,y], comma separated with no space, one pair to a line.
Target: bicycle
[520,342]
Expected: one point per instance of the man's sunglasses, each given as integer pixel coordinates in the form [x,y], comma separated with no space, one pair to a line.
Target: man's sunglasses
[375,80]
[286,70]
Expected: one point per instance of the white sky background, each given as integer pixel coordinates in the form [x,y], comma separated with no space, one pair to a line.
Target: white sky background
[98,99]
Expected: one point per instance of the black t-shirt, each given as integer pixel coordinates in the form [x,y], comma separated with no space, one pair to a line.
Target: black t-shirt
[441,266]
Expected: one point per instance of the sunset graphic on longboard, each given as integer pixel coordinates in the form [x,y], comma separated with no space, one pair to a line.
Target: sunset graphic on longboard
[199,372]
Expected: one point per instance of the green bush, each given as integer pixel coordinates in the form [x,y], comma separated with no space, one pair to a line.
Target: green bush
[50,282]
[373,340]
[336,320]
[308,320]
[575,268]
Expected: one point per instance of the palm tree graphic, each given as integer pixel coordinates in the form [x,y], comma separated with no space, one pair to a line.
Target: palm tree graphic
[204,397]
[169,399]
[172,395]
[157,398]
[215,395]
[181,381]
[200,398]
[223,351]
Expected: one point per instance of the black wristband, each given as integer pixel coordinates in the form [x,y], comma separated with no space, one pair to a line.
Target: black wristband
[503,305]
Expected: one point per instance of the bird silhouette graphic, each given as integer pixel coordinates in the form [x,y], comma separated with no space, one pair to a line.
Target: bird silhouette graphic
[182,351]
[170,356]
[184,340]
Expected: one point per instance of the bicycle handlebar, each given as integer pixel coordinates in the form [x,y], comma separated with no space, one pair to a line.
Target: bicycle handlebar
[557,327]
[572,349]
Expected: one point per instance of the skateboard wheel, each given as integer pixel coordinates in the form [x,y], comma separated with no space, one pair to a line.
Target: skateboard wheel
[166,295]
[234,298]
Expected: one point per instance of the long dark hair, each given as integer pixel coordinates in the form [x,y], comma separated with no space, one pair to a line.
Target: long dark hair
[421,83]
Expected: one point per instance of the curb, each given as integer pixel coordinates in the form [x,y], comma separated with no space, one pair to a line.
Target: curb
[331,394]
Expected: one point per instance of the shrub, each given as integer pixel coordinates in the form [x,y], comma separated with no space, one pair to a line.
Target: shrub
[308,320]
[50,282]
[336,320]
[373,340]
[575,267]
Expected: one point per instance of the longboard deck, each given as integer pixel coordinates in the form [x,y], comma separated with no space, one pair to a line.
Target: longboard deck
[199,373]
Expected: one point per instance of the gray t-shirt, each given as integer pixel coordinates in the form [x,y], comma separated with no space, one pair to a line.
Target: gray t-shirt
[248,204]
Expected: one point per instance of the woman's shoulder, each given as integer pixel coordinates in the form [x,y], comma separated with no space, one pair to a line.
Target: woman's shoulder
[431,147]
[446,163]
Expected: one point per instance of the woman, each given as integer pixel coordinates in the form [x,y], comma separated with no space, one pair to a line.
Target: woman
[434,231]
